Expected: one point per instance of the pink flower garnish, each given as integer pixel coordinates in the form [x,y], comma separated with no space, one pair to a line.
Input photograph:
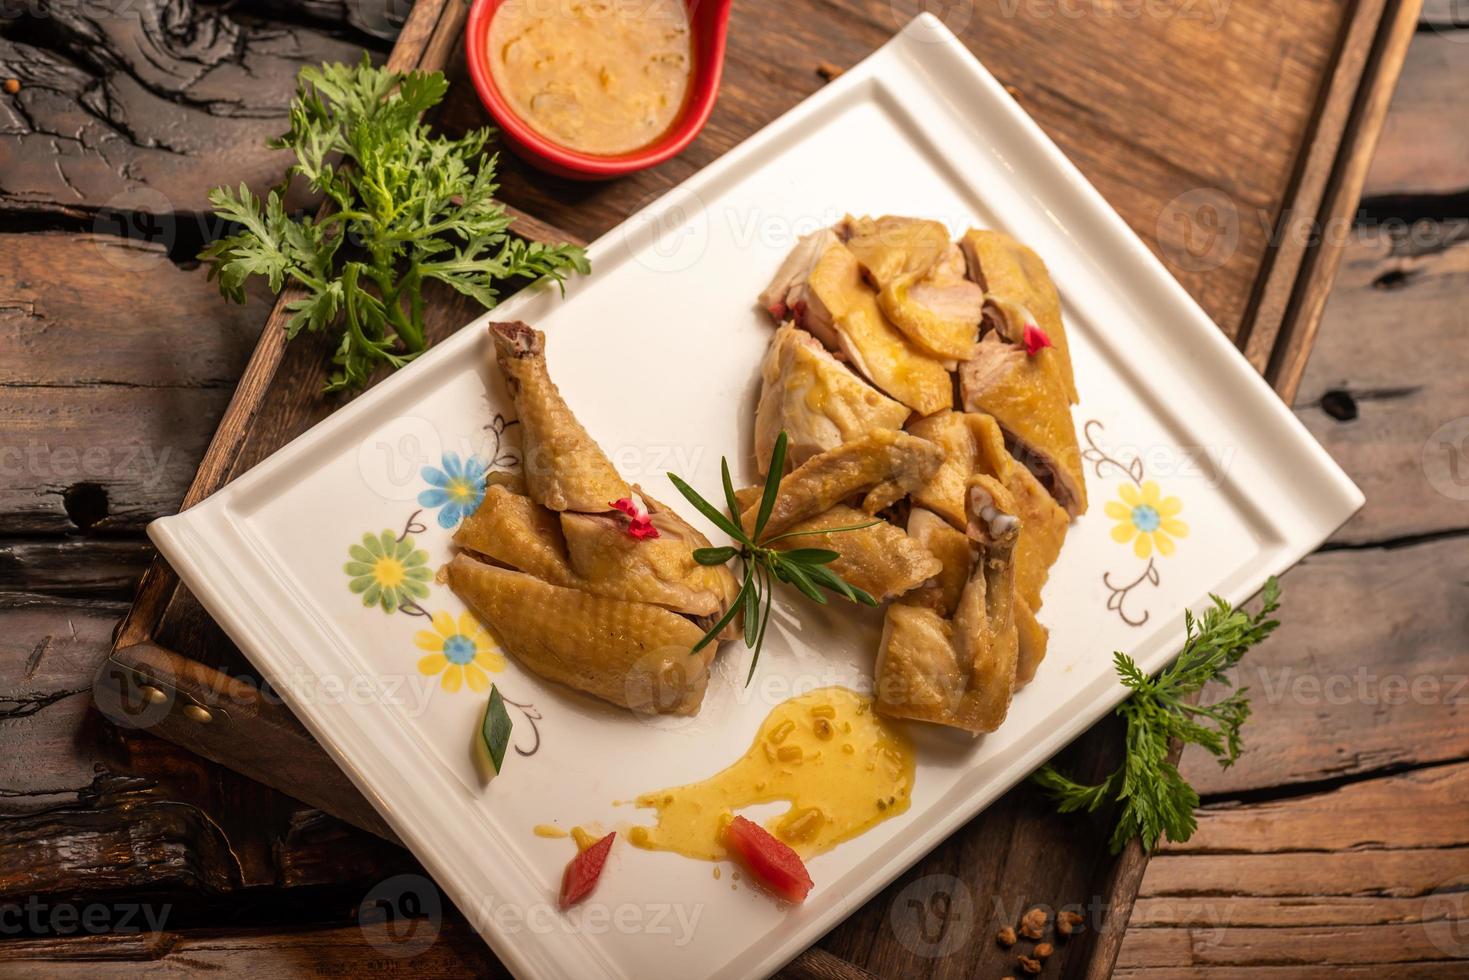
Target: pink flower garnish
[1035,339]
[639,525]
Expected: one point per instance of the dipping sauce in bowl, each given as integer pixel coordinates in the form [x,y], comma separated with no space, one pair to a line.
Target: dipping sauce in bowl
[603,77]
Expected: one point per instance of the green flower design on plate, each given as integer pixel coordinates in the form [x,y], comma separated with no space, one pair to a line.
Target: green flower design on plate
[388,572]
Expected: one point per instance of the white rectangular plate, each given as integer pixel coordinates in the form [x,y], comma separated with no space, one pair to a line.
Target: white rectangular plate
[658,352]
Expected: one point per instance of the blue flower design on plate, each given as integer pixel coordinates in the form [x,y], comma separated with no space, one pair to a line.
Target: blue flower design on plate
[456,488]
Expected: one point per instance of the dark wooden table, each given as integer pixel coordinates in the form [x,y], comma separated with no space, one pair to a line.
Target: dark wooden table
[1341,838]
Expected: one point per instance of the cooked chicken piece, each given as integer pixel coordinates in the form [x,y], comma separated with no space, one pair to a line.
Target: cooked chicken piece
[511,529]
[891,247]
[939,310]
[1033,639]
[834,303]
[1016,281]
[659,570]
[881,560]
[958,671]
[815,399]
[1026,397]
[594,553]
[973,443]
[787,289]
[860,466]
[632,654]
[942,595]
[959,434]
[1043,525]
[984,625]
[955,554]
[564,469]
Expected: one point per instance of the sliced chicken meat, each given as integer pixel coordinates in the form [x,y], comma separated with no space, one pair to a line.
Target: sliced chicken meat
[1028,400]
[891,247]
[883,458]
[921,281]
[785,296]
[958,670]
[1020,290]
[939,310]
[815,399]
[564,469]
[632,654]
[840,309]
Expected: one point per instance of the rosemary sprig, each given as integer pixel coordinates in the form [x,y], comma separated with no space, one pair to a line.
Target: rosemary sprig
[763,565]
[1155,798]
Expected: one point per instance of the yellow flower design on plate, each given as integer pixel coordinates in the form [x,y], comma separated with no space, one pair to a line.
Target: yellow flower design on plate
[462,652]
[1146,518]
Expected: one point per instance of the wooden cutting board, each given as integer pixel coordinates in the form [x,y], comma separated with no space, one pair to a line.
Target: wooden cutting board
[1224,134]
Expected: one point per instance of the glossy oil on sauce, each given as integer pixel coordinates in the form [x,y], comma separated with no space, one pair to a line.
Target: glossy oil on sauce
[600,76]
[842,768]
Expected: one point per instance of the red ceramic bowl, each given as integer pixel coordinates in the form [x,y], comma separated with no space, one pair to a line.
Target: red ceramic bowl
[709,21]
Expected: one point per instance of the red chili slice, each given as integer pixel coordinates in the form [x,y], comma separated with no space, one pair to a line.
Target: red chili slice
[583,871]
[773,864]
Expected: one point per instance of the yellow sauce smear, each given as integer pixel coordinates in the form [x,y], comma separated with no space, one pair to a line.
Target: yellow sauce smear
[585,838]
[842,768]
[549,830]
[600,76]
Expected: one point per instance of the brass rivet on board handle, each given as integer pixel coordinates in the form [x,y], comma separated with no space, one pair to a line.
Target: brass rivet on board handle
[199,713]
[152,694]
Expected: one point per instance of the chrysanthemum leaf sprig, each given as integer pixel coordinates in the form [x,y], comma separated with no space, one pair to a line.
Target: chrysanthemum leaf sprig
[805,568]
[1155,799]
[409,206]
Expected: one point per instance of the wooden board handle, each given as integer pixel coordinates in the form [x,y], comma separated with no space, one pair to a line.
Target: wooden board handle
[228,721]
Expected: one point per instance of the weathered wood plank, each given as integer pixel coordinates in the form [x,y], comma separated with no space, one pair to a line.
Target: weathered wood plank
[49,652]
[1358,816]
[100,458]
[1375,888]
[1367,671]
[1410,872]
[1386,376]
[117,384]
[90,809]
[74,567]
[145,108]
[430,951]
[1443,970]
[1422,150]
[134,317]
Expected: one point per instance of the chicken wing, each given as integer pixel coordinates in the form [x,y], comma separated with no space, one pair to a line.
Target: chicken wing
[868,465]
[881,560]
[815,399]
[959,670]
[632,654]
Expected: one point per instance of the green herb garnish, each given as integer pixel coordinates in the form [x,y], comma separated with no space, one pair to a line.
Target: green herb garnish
[408,208]
[805,568]
[494,729]
[1155,798]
